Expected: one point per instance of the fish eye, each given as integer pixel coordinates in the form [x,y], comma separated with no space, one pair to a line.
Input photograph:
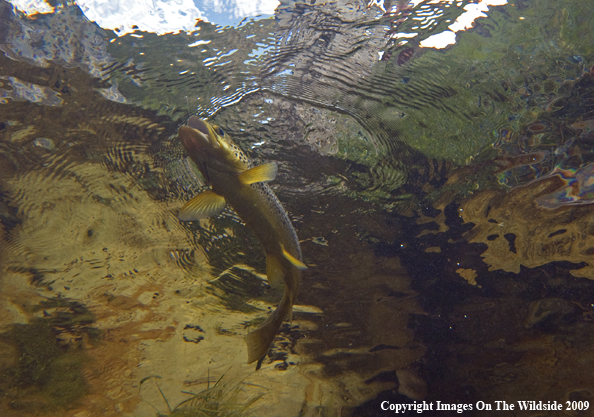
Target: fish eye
[221,132]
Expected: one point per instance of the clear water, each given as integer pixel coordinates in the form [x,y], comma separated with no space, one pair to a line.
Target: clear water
[442,198]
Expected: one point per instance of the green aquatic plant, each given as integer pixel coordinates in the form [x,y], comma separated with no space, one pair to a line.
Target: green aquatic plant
[222,399]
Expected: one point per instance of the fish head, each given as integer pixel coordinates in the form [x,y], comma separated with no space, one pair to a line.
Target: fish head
[210,147]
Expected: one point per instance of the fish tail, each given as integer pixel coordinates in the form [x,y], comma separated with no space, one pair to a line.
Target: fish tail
[259,341]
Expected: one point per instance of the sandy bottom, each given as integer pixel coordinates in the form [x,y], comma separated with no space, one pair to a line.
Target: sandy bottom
[98,317]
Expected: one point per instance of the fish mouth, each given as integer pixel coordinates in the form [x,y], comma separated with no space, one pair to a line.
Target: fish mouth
[196,135]
[192,139]
[199,124]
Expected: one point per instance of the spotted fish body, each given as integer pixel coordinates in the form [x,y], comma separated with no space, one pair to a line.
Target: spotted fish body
[234,181]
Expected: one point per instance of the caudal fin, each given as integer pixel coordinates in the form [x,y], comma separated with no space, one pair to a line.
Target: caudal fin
[259,341]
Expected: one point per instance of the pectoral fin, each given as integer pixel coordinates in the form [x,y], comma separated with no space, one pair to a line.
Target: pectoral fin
[294,261]
[274,271]
[266,172]
[203,205]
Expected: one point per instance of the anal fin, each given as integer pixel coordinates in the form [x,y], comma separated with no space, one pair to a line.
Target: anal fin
[274,271]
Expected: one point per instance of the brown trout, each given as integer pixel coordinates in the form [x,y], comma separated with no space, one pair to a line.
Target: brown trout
[234,181]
